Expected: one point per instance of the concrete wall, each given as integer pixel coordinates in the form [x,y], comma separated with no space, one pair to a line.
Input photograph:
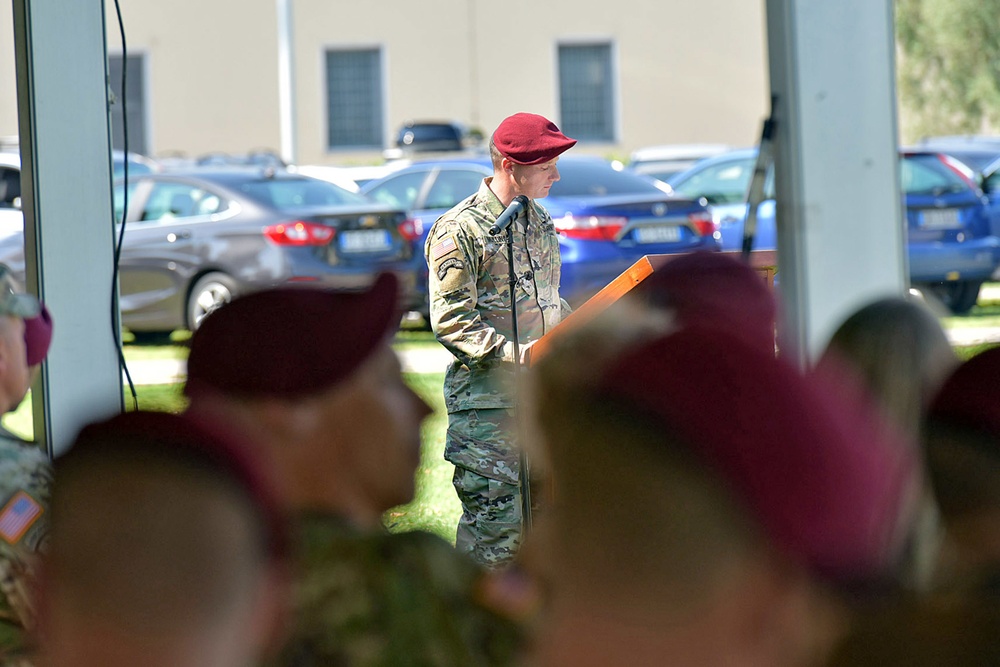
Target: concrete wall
[685,72]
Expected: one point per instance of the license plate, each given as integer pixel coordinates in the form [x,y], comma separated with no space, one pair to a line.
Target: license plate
[658,234]
[365,240]
[941,218]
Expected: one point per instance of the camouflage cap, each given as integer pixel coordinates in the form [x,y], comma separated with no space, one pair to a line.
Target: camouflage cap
[13,301]
[290,341]
[829,483]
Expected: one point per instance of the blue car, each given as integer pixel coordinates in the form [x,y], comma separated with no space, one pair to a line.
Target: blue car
[951,247]
[951,244]
[606,218]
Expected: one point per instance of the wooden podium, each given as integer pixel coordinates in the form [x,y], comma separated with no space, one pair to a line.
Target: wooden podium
[765,262]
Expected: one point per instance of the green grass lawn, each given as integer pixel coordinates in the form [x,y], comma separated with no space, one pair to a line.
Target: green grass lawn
[435,507]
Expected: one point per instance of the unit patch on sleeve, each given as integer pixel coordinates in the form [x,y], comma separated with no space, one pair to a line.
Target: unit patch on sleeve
[447,265]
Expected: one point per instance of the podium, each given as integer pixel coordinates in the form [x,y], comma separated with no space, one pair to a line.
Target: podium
[765,262]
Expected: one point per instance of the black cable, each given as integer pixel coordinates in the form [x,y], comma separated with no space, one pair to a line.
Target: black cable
[115,327]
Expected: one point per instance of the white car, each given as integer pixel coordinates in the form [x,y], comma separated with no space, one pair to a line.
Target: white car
[662,162]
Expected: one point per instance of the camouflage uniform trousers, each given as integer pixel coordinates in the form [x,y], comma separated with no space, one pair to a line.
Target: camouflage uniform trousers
[482,445]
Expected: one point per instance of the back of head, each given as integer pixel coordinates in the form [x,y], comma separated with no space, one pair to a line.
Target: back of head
[899,351]
[962,439]
[697,447]
[163,535]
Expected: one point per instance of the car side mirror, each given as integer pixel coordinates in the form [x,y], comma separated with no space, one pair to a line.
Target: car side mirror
[16,203]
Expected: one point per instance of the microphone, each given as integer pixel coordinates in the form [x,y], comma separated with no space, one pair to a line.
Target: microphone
[503,222]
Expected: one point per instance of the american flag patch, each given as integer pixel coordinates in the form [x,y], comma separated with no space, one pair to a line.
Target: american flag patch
[17,516]
[441,249]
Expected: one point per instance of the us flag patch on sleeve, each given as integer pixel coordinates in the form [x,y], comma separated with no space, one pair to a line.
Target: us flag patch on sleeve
[17,516]
[441,249]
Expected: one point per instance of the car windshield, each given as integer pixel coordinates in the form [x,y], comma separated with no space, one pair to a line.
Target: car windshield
[721,183]
[926,174]
[294,193]
[582,178]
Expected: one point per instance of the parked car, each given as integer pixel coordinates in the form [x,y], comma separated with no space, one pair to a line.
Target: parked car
[11,218]
[348,177]
[662,162]
[194,239]
[976,151]
[723,181]
[950,243]
[606,219]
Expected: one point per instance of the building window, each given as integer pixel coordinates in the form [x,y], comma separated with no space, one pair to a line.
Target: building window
[586,92]
[354,98]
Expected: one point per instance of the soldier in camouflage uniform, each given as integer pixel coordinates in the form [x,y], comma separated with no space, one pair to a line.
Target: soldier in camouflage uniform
[315,381]
[25,472]
[470,312]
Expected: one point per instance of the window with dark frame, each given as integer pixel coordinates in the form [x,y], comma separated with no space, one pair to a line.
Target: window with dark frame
[586,92]
[354,98]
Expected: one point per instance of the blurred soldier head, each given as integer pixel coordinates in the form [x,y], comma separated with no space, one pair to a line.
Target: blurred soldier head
[713,289]
[312,375]
[962,440]
[166,548]
[709,502]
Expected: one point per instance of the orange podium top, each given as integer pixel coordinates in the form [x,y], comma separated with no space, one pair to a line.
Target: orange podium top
[764,261]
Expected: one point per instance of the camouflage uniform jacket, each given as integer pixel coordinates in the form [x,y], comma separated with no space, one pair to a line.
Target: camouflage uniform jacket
[389,600]
[25,481]
[470,295]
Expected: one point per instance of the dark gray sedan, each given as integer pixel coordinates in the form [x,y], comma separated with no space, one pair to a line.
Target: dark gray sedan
[194,239]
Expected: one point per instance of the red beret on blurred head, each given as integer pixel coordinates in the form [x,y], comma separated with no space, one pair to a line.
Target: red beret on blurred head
[528,138]
[827,481]
[715,289]
[163,436]
[38,336]
[290,341]
[970,397]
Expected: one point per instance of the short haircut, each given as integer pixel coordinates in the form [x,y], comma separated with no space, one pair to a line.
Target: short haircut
[495,157]
[636,520]
[153,538]
[900,351]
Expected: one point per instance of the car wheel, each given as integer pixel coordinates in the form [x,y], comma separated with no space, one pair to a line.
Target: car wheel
[208,293]
[960,296]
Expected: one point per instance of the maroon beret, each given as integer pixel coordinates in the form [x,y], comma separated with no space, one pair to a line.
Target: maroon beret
[970,397]
[38,336]
[290,341]
[149,436]
[527,138]
[715,289]
[827,481]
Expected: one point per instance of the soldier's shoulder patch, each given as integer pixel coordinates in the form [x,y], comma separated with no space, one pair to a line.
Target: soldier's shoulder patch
[442,248]
[18,515]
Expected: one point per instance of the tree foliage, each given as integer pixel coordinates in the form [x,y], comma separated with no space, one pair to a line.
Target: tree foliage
[948,66]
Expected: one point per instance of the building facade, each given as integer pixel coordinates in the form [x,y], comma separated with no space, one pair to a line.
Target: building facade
[207,76]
